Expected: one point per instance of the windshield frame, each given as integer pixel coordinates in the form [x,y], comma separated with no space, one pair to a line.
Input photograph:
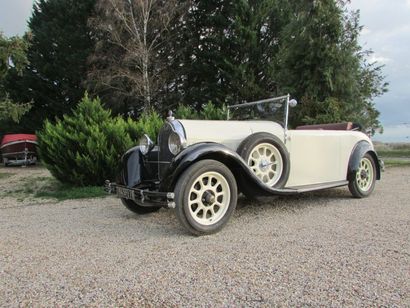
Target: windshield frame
[285,98]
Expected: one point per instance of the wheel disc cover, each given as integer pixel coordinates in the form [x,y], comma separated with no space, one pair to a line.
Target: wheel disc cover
[266,163]
[209,198]
[365,175]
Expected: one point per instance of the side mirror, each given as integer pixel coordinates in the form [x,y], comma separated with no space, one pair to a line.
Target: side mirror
[293,103]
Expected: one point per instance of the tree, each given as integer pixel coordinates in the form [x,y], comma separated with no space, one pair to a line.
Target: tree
[229,51]
[60,45]
[322,64]
[12,58]
[127,63]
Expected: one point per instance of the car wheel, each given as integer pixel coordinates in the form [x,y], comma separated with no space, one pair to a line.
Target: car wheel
[134,207]
[267,157]
[205,196]
[362,184]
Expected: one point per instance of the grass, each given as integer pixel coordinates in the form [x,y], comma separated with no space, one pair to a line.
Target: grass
[4,175]
[393,149]
[66,192]
[394,154]
[50,188]
[390,162]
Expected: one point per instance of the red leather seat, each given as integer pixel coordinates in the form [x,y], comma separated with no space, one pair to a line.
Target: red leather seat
[330,126]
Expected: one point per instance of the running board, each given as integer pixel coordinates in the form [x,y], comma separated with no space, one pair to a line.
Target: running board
[307,188]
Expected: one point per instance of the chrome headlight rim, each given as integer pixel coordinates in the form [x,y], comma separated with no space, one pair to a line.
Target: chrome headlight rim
[145,144]
[179,145]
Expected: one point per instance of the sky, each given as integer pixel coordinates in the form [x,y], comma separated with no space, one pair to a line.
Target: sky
[386,31]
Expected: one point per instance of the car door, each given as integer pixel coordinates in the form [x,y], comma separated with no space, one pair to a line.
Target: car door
[314,157]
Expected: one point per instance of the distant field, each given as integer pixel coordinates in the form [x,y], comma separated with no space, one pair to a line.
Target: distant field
[394,154]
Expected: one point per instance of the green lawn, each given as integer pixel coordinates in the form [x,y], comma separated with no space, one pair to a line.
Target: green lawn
[4,175]
[394,154]
[50,188]
[65,192]
[391,162]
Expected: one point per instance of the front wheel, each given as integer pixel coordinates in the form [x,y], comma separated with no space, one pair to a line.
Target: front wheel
[362,184]
[205,196]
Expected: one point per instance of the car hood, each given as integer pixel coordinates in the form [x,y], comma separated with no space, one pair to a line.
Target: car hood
[228,133]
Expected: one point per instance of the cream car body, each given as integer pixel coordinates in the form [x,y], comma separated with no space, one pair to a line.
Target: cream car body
[316,156]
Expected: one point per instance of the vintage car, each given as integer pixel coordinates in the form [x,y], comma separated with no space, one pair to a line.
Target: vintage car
[199,167]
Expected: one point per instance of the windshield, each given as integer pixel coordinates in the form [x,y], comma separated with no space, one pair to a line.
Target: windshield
[273,109]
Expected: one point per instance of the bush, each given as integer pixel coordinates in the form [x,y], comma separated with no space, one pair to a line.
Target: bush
[186,112]
[208,112]
[149,123]
[85,148]
[211,112]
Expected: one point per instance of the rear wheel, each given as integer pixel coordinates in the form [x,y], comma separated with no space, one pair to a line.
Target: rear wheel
[362,184]
[206,196]
[134,207]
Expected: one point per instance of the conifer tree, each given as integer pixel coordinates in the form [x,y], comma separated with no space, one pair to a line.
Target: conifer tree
[13,58]
[229,51]
[60,46]
[322,64]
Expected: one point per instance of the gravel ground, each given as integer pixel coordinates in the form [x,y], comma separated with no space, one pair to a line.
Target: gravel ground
[317,249]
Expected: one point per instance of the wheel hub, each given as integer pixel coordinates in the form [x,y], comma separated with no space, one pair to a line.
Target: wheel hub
[264,164]
[363,174]
[208,197]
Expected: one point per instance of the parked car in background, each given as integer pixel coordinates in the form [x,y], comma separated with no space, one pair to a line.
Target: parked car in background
[19,149]
[199,167]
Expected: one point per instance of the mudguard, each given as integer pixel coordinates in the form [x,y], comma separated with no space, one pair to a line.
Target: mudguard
[358,152]
[221,153]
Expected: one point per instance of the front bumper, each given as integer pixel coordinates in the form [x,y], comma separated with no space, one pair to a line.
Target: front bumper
[143,197]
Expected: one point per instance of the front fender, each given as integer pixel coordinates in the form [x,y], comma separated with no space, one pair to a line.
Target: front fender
[221,153]
[358,152]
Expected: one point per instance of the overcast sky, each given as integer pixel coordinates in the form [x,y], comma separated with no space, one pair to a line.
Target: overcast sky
[386,31]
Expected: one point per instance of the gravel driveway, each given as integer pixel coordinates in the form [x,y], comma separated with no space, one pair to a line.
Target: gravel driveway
[316,249]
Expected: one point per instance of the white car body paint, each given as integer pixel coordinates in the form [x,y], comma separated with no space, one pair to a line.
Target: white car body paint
[316,156]
[228,133]
[320,156]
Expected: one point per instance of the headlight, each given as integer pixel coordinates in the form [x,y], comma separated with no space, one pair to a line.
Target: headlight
[146,144]
[176,143]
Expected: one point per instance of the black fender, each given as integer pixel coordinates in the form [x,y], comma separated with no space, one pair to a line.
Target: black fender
[221,153]
[359,150]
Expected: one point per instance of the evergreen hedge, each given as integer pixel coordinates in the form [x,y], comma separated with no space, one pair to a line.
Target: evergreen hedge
[85,148]
[208,111]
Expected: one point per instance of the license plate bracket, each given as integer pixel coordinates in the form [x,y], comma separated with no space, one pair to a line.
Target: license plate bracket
[125,193]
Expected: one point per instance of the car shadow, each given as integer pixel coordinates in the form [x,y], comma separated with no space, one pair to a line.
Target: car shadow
[297,201]
[164,222]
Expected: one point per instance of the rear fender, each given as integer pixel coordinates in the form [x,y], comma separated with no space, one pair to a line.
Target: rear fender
[360,149]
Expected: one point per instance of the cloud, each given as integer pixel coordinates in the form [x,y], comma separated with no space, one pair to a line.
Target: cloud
[366,31]
[379,59]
